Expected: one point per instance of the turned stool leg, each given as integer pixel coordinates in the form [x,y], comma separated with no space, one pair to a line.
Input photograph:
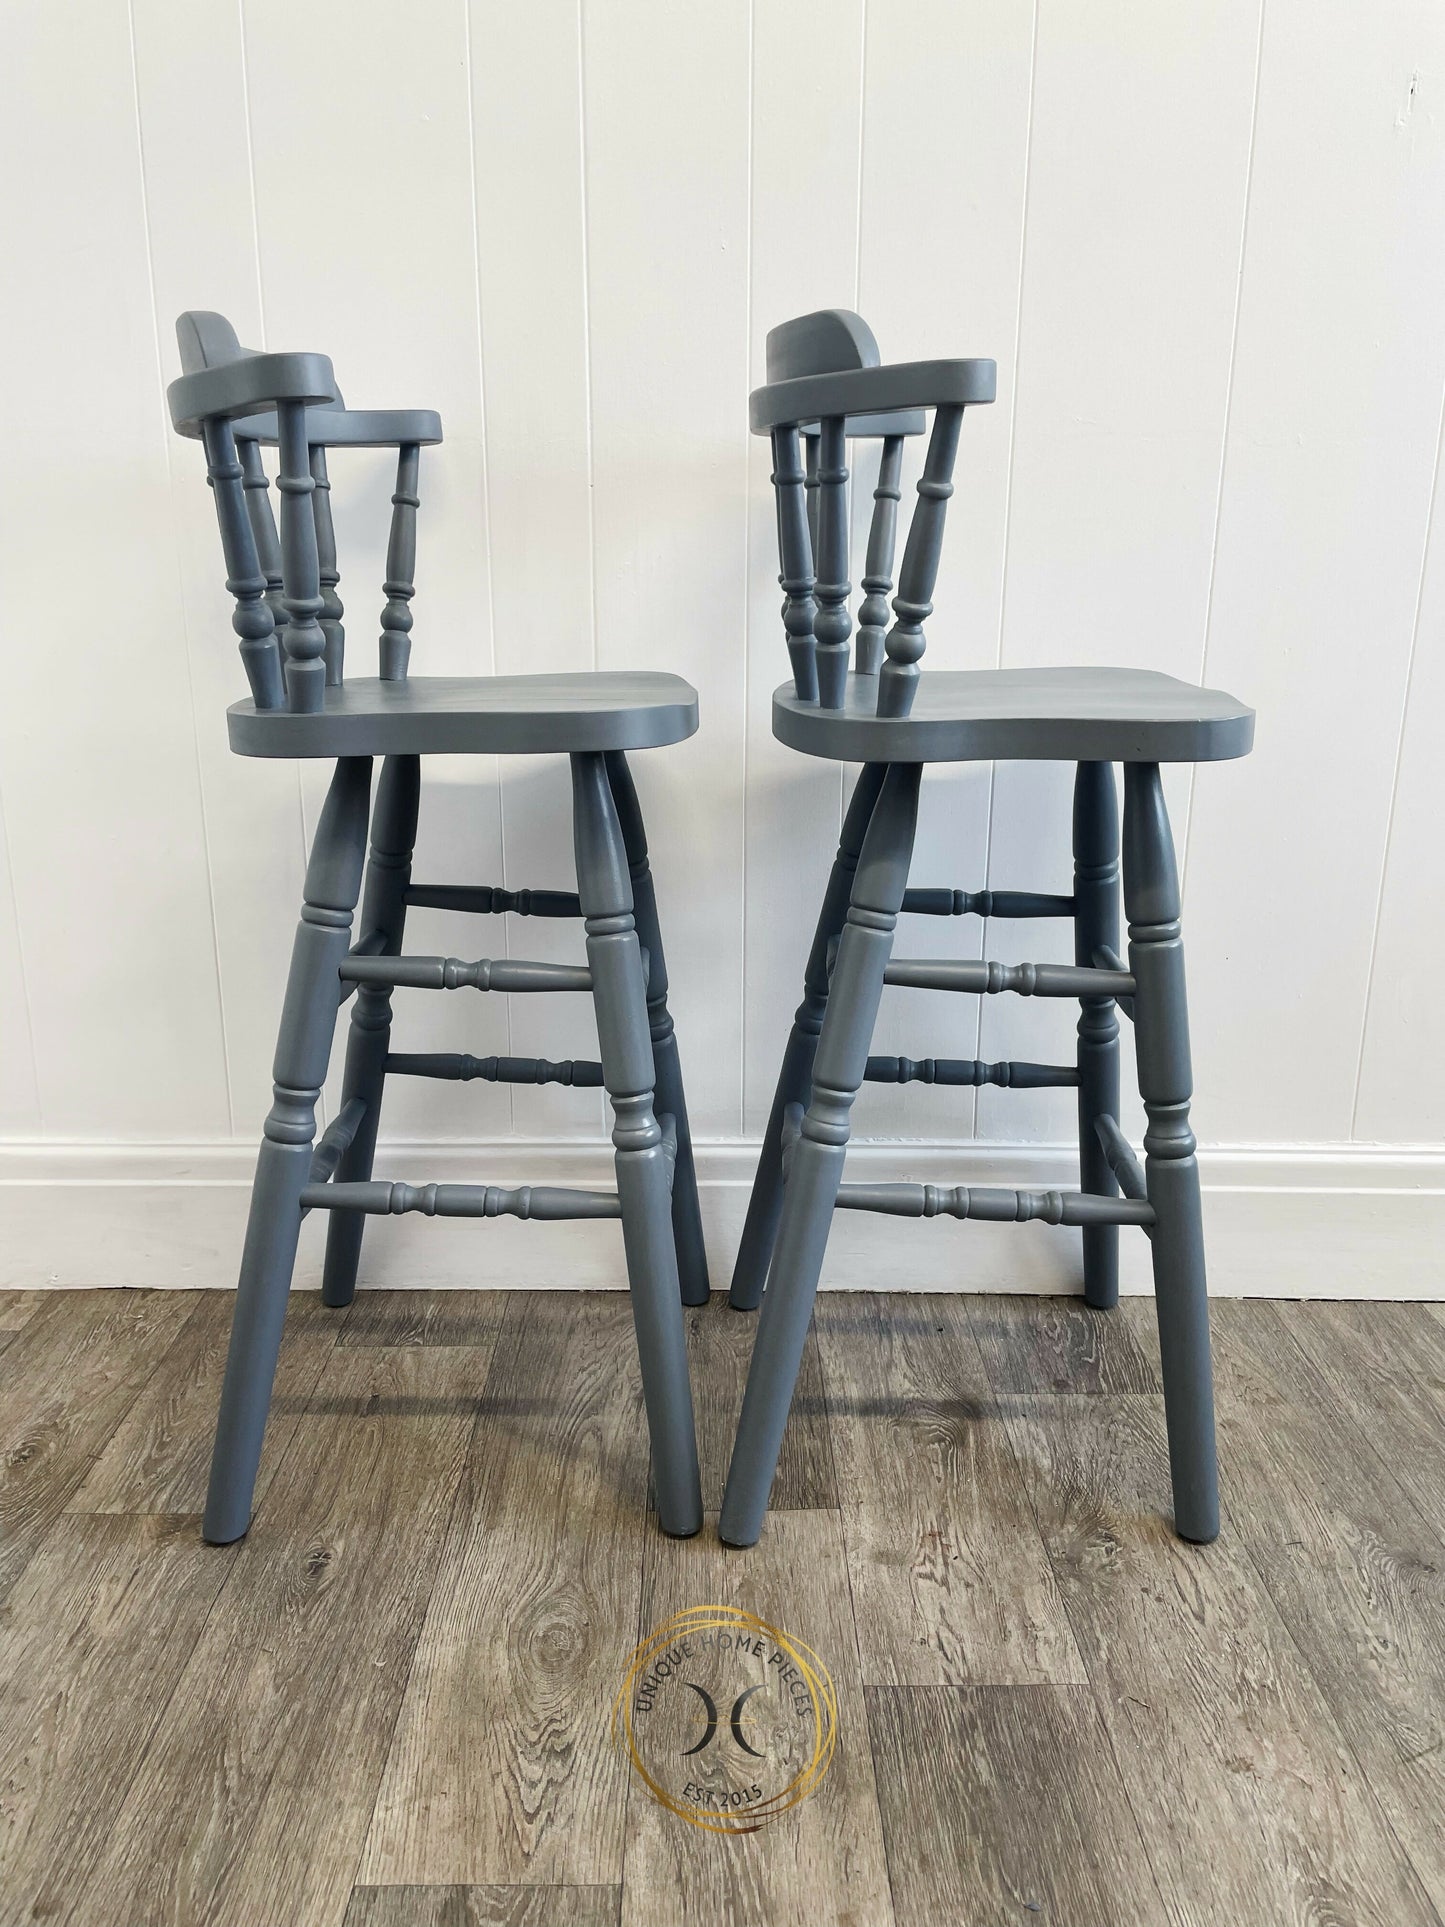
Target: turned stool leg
[815,1164]
[615,958]
[1096,927]
[686,1216]
[303,1051]
[795,1078]
[383,910]
[1161,1036]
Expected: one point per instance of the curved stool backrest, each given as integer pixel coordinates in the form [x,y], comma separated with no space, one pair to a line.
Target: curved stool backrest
[288,612]
[825,384]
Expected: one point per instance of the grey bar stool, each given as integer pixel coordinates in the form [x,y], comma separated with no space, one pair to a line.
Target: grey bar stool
[824,385]
[288,616]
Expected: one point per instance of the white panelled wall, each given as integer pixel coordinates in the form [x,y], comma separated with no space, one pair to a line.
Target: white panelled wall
[1206,246]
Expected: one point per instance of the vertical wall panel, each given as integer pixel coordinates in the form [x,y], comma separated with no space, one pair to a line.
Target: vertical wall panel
[568,226]
[19,1097]
[1402,1095]
[666,107]
[1141,136]
[364,200]
[190,83]
[1332,436]
[946,128]
[528,161]
[103,805]
[806,79]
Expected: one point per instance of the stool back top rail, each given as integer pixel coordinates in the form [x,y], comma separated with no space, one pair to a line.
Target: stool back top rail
[289,619]
[825,384]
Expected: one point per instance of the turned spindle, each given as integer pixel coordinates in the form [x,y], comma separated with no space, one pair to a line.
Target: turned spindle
[795,551]
[878,564]
[251,619]
[913,605]
[300,570]
[399,586]
[331,609]
[833,623]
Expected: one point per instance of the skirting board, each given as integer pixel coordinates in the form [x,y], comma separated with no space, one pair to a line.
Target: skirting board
[1353,1221]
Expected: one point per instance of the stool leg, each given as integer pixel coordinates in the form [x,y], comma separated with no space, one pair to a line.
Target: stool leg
[815,1162]
[615,958]
[686,1216]
[1096,925]
[303,1051]
[795,1077]
[388,871]
[1161,1036]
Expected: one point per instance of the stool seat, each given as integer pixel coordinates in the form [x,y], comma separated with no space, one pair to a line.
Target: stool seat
[476,715]
[1064,715]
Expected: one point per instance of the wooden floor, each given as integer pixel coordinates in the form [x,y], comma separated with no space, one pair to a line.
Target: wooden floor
[388,1707]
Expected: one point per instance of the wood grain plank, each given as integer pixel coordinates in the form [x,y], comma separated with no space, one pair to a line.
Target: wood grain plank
[823,1860]
[71,1374]
[17,1308]
[1250,1805]
[1386,1364]
[1355,1569]
[1061,1345]
[92,1641]
[252,1801]
[720,1346]
[381,1318]
[950,1580]
[483,1907]
[996,1803]
[501,1769]
[158,1458]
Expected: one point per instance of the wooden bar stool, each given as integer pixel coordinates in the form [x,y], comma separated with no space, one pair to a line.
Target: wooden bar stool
[288,617]
[823,370]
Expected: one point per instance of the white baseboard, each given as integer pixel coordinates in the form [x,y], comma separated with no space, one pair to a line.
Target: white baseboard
[1347,1221]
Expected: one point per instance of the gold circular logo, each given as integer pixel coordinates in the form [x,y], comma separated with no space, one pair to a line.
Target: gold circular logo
[726,1720]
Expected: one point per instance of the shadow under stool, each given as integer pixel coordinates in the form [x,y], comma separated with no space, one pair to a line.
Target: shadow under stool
[825,385]
[288,617]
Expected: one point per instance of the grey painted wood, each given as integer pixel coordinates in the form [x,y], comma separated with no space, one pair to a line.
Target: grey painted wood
[795,1075]
[667,1067]
[992,1204]
[1161,1043]
[969,1073]
[825,382]
[304,640]
[1054,715]
[478,716]
[289,619]
[877,578]
[512,974]
[913,605]
[283,1169]
[986,903]
[332,611]
[378,1199]
[462,1068]
[796,530]
[1096,925]
[383,912]
[977,977]
[815,1166]
[254,619]
[486,900]
[643,1178]
[400,586]
[833,624]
